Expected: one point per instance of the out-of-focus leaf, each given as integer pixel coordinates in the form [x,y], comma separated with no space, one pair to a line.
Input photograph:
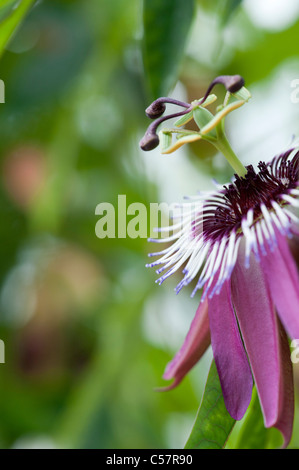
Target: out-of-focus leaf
[10,22]
[166,26]
[46,69]
[6,8]
[213,423]
[229,8]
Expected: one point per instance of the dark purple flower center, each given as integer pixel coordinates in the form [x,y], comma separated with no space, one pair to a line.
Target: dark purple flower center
[273,180]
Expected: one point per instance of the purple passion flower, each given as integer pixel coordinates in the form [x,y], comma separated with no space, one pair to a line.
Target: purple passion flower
[234,241]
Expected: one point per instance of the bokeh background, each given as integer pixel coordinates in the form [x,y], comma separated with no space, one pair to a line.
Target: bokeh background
[87,331]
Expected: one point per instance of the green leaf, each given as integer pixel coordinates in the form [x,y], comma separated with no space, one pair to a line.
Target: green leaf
[213,423]
[6,8]
[11,18]
[229,8]
[166,25]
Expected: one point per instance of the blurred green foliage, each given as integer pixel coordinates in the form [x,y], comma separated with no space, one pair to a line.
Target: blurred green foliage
[87,332]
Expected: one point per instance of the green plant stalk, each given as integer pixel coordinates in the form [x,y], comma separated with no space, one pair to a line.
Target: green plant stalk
[223,145]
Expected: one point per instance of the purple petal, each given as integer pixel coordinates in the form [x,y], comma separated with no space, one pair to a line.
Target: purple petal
[195,345]
[229,354]
[265,344]
[282,278]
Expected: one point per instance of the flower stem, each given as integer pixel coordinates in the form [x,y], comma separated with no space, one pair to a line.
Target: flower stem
[223,145]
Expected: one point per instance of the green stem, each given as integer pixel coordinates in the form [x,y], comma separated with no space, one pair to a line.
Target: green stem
[223,145]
